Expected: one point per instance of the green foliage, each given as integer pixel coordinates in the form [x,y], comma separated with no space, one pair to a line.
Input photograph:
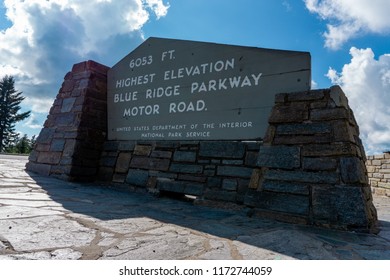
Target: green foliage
[20,145]
[10,100]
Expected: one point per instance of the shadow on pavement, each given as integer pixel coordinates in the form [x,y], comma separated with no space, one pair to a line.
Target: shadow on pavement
[295,241]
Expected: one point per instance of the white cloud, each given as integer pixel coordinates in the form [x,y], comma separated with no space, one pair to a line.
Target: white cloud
[38,105]
[32,122]
[366,82]
[351,18]
[47,37]
[158,7]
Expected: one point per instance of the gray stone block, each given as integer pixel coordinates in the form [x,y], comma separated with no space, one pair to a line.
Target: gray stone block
[57,145]
[219,195]
[137,177]
[180,187]
[214,182]
[329,114]
[67,104]
[184,156]
[209,172]
[46,135]
[339,205]
[126,146]
[141,150]
[353,170]
[186,168]
[192,178]
[279,157]
[167,144]
[43,169]
[338,97]
[285,187]
[304,129]
[280,202]
[159,174]
[234,171]
[161,154]
[66,119]
[233,161]
[306,96]
[319,163]
[66,161]
[251,158]
[108,161]
[302,139]
[303,176]
[253,145]
[111,146]
[294,112]
[334,149]
[150,163]
[222,149]
[229,184]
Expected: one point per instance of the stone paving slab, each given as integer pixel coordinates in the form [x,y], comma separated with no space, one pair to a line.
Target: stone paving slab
[45,218]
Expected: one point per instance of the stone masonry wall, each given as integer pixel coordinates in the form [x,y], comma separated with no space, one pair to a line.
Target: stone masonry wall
[311,166]
[309,169]
[70,144]
[378,168]
[213,170]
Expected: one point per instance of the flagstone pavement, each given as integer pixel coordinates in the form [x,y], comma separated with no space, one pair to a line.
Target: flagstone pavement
[45,218]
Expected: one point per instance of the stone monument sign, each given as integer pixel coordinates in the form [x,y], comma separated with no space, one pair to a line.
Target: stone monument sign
[131,124]
[183,90]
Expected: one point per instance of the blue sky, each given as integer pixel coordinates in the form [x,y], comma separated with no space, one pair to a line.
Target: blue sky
[348,40]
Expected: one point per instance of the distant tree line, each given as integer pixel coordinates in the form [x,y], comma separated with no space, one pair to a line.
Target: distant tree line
[20,145]
[10,100]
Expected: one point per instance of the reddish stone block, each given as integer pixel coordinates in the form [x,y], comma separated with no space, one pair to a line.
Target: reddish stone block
[43,169]
[67,85]
[82,75]
[55,110]
[97,67]
[49,157]
[42,147]
[79,67]
[68,76]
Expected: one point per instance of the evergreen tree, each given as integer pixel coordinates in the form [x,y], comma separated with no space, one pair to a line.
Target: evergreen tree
[23,146]
[10,101]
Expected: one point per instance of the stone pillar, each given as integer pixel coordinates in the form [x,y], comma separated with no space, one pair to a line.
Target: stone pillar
[311,167]
[70,144]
